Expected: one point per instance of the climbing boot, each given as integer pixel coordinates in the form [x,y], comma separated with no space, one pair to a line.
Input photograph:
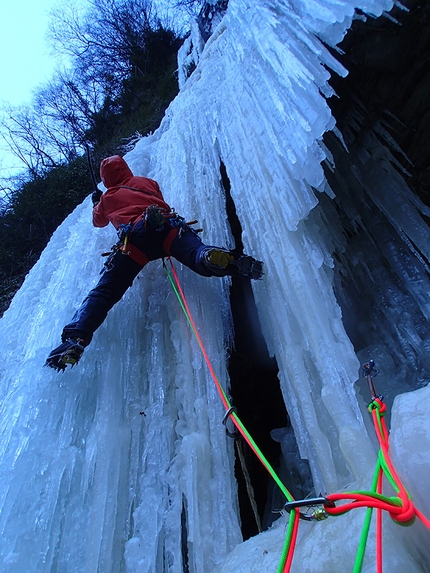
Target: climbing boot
[69,352]
[222,263]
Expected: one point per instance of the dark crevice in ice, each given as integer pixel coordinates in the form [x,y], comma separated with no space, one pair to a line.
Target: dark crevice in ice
[184,539]
[256,393]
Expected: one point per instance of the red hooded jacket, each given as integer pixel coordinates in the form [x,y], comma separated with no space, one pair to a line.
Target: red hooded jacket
[127,197]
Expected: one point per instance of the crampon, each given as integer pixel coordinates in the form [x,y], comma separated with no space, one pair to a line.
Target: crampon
[69,352]
[223,262]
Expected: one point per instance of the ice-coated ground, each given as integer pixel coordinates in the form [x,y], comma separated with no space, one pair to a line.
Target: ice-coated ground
[122,463]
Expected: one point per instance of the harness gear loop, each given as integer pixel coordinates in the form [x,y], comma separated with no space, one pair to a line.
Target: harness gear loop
[154,216]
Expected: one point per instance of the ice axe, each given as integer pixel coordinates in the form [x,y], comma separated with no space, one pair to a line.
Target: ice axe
[96,194]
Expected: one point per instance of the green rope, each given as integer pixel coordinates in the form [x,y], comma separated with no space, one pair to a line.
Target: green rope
[238,423]
[233,414]
[287,543]
[178,296]
[366,526]
[260,454]
[382,461]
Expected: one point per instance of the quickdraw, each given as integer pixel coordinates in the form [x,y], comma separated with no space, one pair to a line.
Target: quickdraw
[316,515]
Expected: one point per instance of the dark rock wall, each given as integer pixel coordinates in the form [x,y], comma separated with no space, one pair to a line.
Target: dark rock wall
[389,72]
[382,271]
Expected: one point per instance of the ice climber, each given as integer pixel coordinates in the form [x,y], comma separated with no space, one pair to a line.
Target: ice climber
[148,229]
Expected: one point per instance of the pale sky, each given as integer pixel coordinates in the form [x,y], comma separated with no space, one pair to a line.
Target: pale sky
[25,61]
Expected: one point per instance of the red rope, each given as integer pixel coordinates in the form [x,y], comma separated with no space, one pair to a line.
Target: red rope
[379,527]
[295,532]
[423,518]
[381,430]
[401,508]
[233,416]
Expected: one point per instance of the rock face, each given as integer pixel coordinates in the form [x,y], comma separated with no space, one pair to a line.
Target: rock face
[381,175]
[389,73]
[210,15]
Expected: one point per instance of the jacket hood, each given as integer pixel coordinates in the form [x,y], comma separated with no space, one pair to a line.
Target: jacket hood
[114,171]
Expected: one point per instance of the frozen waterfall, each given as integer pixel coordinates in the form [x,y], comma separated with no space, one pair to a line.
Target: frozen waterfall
[122,464]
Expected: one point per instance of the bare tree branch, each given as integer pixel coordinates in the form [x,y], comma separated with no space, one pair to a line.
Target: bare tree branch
[107,43]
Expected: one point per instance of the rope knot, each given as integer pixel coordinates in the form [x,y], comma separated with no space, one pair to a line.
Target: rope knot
[377,404]
[405,514]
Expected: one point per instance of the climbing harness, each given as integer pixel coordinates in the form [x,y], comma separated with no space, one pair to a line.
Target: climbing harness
[123,233]
[155,217]
[400,507]
[125,247]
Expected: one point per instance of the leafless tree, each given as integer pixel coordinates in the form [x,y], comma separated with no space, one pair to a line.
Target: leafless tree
[69,100]
[106,43]
[191,6]
[20,132]
[38,138]
[6,192]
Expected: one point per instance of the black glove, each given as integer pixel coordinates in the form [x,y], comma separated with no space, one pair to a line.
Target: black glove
[95,197]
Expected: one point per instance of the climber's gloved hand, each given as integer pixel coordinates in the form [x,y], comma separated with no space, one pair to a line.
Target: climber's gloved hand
[95,197]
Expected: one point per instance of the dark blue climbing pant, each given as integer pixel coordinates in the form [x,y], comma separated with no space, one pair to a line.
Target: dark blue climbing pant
[118,277]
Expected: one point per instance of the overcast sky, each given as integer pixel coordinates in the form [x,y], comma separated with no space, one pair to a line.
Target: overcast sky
[25,61]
